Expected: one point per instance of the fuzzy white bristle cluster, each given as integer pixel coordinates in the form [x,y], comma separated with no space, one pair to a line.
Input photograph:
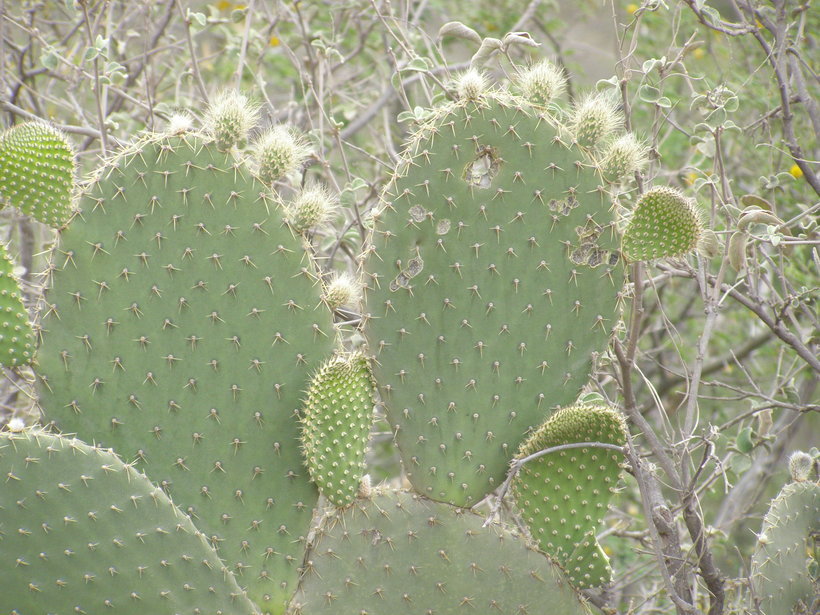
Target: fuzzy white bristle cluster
[594,119]
[279,152]
[230,118]
[541,83]
[311,208]
[471,85]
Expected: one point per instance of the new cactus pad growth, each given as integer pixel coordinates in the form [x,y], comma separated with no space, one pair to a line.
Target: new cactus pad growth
[37,172]
[336,420]
[182,323]
[16,336]
[493,277]
[664,224]
[82,532]
[563,495]
[783,567]
[402,553]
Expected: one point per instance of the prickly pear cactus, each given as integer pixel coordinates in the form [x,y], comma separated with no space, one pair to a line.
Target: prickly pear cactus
[402,553]
[82,532]
[783,570]
[16,336]
[37,172]
[665,224]
[183,321]
[563,495]
[493,278]
[336,420]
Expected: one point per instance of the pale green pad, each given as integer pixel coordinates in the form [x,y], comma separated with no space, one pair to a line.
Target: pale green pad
[182,326]
[80,532]
[664,224]
[563,496]
[336,420]
[400,553]
[493,278]
[16,337]
[781,576]
[37,172]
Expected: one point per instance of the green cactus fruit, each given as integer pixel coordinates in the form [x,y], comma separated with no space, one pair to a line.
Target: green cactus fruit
[16,335]
[664,224]
[230,118]
[782,575]
[403,554]
[622,157]
[342,289]
[594,119]
[82,532]
[183,321]
[280,151]
[311,208]
[492,278]
[563,496]
[37,172]
[541,83]
[336,420]
[471,85]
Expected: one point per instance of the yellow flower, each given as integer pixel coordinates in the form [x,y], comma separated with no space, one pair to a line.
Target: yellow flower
[631,8]
[224,5]
[273,41]
[796,171]
[691,177]
[698,53]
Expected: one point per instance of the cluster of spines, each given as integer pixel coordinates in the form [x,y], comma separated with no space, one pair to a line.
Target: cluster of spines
[37,172]
[563,495]
[336,418]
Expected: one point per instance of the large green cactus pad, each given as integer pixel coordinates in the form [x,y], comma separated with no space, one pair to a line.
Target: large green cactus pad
[37,172]
[665,224]
[182,324]
[336,420]
[81,532]
[16,337]
[781,575]
[400,553]
[563,495]
[493,277]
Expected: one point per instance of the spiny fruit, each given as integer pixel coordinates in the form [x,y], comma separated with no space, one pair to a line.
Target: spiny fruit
[336,420]
[37,172]
[563,496]
[664,224]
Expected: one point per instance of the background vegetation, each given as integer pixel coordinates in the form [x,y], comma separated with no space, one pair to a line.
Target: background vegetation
[715,364]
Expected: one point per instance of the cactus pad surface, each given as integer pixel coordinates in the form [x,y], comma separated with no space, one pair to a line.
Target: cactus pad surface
[563,495]
[183,321]
[37,172]
[336,420]
[400,553]
[493,278]
[82,532]
[16,336]
[665,224]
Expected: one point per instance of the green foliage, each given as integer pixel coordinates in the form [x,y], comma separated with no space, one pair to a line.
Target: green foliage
[37,172]
[398,552]
[336,420]
[182,323]
[86,533]
[493,277]
[563,495]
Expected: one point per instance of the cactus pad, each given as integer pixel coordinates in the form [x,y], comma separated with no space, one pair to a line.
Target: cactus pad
[37,172]
[182,324]
[400,553]
[336,423]
[563,496]
[16,338]
[493,277]
[664,224]
[781,575]
[82,532]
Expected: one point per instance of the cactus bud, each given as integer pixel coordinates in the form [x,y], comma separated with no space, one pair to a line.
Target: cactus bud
[594,119]
[311,208]
[230,118]
[471,85]
[179,124]
[664,224]
[279,152]
[342,290]
[541,83]
[801,466]
[623,156]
